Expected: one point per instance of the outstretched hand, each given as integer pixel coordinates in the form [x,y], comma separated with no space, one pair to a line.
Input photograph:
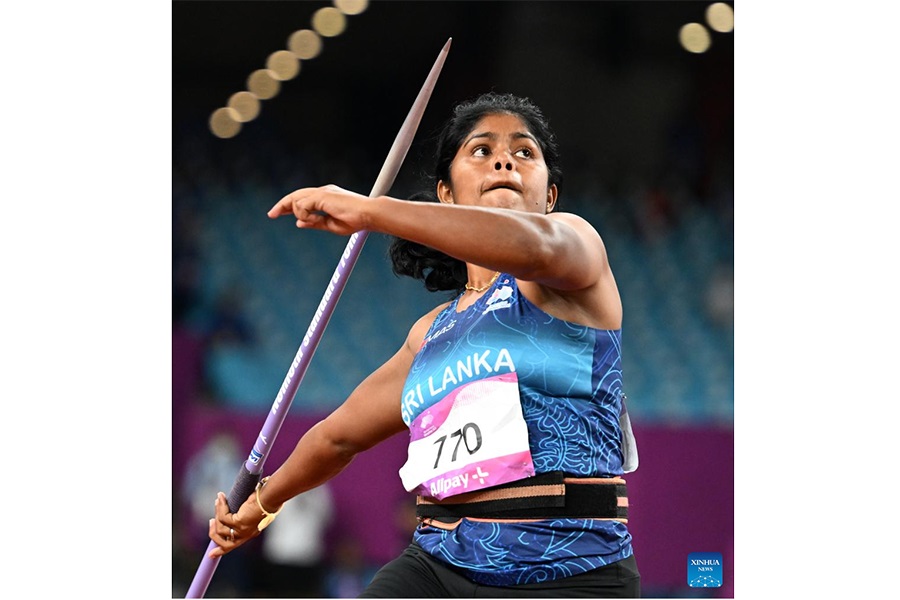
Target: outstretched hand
[327,208]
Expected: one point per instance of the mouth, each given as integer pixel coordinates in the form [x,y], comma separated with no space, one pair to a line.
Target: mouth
[502,186]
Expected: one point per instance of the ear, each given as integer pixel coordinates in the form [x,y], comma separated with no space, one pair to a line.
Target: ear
[552,193]
[444,193]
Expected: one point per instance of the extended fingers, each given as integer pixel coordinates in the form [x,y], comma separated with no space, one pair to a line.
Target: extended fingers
[300,202]
[327,208]
[290,204]
[304,201]
[285,206]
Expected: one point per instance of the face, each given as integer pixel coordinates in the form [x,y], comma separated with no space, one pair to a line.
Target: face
[499,164]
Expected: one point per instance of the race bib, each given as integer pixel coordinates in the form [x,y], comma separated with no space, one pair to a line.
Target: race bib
[472,439]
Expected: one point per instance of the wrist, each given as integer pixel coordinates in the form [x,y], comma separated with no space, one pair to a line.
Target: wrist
[267,515]
[374,210]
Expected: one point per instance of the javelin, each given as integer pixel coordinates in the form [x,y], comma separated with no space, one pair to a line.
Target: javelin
[249,474]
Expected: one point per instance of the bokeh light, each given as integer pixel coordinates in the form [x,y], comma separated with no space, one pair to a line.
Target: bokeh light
[329,22]
[263,84]
[283,65]
[720,17]
[305,44]
[351,7]
[695,38]
[246,105]
[224,122]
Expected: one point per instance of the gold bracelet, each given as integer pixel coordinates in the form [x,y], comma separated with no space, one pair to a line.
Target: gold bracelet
[267,516]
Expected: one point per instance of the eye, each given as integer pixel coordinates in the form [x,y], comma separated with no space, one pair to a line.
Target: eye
[480,151]
[525,153]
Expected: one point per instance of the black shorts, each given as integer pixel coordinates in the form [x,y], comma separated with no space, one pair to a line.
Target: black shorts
[416,574]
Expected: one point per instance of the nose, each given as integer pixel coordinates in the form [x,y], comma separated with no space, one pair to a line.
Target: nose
[504,160]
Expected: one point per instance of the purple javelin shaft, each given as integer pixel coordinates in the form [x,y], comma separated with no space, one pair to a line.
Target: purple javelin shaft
[252,468]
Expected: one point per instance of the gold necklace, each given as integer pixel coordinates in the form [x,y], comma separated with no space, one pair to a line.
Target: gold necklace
[478,290]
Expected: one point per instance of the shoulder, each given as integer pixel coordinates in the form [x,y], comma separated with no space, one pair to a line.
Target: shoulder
[420,328]
[579,223]
[589,241]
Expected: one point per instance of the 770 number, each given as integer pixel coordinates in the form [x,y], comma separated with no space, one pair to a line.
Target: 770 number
[463,435]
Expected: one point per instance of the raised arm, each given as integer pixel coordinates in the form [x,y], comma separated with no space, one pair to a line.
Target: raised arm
[558,250]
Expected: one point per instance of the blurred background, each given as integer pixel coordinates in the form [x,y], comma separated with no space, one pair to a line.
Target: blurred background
[272,96]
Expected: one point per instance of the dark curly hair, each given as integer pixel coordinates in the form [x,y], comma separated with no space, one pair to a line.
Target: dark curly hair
[439,271]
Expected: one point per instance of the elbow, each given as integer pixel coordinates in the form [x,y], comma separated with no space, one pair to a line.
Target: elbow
[332,445]
[557,257]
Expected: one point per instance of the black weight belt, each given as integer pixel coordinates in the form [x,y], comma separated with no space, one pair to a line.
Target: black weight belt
[545,496]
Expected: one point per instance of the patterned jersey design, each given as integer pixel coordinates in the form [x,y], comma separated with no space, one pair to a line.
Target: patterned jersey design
[570,385]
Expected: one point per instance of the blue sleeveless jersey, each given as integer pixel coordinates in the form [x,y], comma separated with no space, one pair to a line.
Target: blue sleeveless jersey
[570,385]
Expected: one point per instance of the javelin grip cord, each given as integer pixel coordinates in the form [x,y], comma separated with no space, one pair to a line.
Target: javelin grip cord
[250,473]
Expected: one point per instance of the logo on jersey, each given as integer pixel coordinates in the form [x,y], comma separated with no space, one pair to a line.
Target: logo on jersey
[499,299]
[438,333]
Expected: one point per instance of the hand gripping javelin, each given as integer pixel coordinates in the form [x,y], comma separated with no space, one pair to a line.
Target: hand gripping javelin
[249,475]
